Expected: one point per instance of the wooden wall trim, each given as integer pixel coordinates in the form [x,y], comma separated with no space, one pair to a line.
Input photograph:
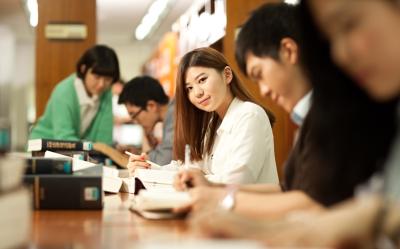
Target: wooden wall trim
[56,59]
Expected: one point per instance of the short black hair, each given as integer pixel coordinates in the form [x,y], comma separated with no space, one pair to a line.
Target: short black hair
[263,32]
[141,89]
[102,60]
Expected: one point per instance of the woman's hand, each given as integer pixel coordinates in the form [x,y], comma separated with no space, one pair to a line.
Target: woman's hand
[203,197]
[137,161]
[190,178]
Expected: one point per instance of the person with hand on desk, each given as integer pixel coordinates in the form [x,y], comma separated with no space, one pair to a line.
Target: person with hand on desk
[148,104]
[363,38]
[228,133]
[272,61]
[311,171]
[80,106]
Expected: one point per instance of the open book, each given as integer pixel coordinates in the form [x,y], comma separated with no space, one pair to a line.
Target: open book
[152,204]
[119,158]
[158,177]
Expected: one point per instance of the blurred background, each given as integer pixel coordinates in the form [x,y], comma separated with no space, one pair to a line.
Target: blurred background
[41,41]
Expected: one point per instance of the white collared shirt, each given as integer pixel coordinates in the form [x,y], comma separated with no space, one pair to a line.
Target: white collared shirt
[301,109]
[88,105]
[243,151]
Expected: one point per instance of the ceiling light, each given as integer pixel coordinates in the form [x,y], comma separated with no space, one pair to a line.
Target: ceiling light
[292,2]
[153,16]
[32,9]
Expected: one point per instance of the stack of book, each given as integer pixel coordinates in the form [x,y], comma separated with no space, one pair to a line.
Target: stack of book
[78,149]
[63,181]
[55,185]
[15,203]
[84,150]
[113,180]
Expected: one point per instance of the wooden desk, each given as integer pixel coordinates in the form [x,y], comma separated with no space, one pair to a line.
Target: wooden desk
[113,227]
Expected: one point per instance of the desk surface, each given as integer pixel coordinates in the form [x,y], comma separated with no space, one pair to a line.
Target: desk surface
[113,227]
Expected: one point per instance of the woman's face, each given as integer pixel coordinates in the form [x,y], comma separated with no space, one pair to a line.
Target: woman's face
[207,89]
[365,41]
[96,84]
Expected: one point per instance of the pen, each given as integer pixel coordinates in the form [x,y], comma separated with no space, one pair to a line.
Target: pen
[187,156]
[153,165]
[188,183]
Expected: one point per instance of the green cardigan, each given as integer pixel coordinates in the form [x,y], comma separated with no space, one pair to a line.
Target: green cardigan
[61,119]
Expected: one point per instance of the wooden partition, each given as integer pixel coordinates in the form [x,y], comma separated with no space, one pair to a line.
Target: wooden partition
[56,59]
[237,13]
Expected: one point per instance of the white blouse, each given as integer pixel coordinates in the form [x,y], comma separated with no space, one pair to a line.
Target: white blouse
[243,151]
[89,105]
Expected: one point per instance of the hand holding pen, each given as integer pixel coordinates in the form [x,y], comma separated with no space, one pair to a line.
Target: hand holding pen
[188,182]
[189,177]
[137,161]
[193,176]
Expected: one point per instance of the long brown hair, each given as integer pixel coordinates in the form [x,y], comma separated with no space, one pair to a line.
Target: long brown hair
[192,125]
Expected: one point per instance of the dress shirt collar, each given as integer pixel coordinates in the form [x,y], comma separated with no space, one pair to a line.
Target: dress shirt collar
[229,119]
[301,109]
[83,97]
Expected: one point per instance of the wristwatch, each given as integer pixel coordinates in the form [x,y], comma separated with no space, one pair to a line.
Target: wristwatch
[228,202]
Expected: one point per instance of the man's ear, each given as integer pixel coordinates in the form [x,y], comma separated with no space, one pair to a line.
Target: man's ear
[151,106]
[228,74]
[289,51]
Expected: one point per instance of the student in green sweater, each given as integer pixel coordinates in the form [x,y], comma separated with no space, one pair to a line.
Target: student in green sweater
[80,106]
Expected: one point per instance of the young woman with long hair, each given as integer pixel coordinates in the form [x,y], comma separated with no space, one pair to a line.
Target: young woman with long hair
[229,135]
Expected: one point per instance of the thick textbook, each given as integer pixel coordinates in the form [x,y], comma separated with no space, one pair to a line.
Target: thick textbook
[53,144]
[81,190]
[41,165]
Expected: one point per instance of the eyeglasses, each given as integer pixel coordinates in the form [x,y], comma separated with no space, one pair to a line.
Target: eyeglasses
[134,115]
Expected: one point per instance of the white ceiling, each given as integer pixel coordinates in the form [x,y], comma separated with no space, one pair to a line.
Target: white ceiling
[117,20]
[13,15]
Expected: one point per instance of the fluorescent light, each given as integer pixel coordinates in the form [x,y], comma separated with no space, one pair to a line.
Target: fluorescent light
[292,2]
[158,7]
[142,31]
[32,6]
[151,19]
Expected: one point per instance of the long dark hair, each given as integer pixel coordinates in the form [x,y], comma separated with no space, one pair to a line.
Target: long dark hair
[192,125]
[347,134]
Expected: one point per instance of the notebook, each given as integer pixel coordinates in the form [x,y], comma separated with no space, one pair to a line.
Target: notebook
[152,204]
